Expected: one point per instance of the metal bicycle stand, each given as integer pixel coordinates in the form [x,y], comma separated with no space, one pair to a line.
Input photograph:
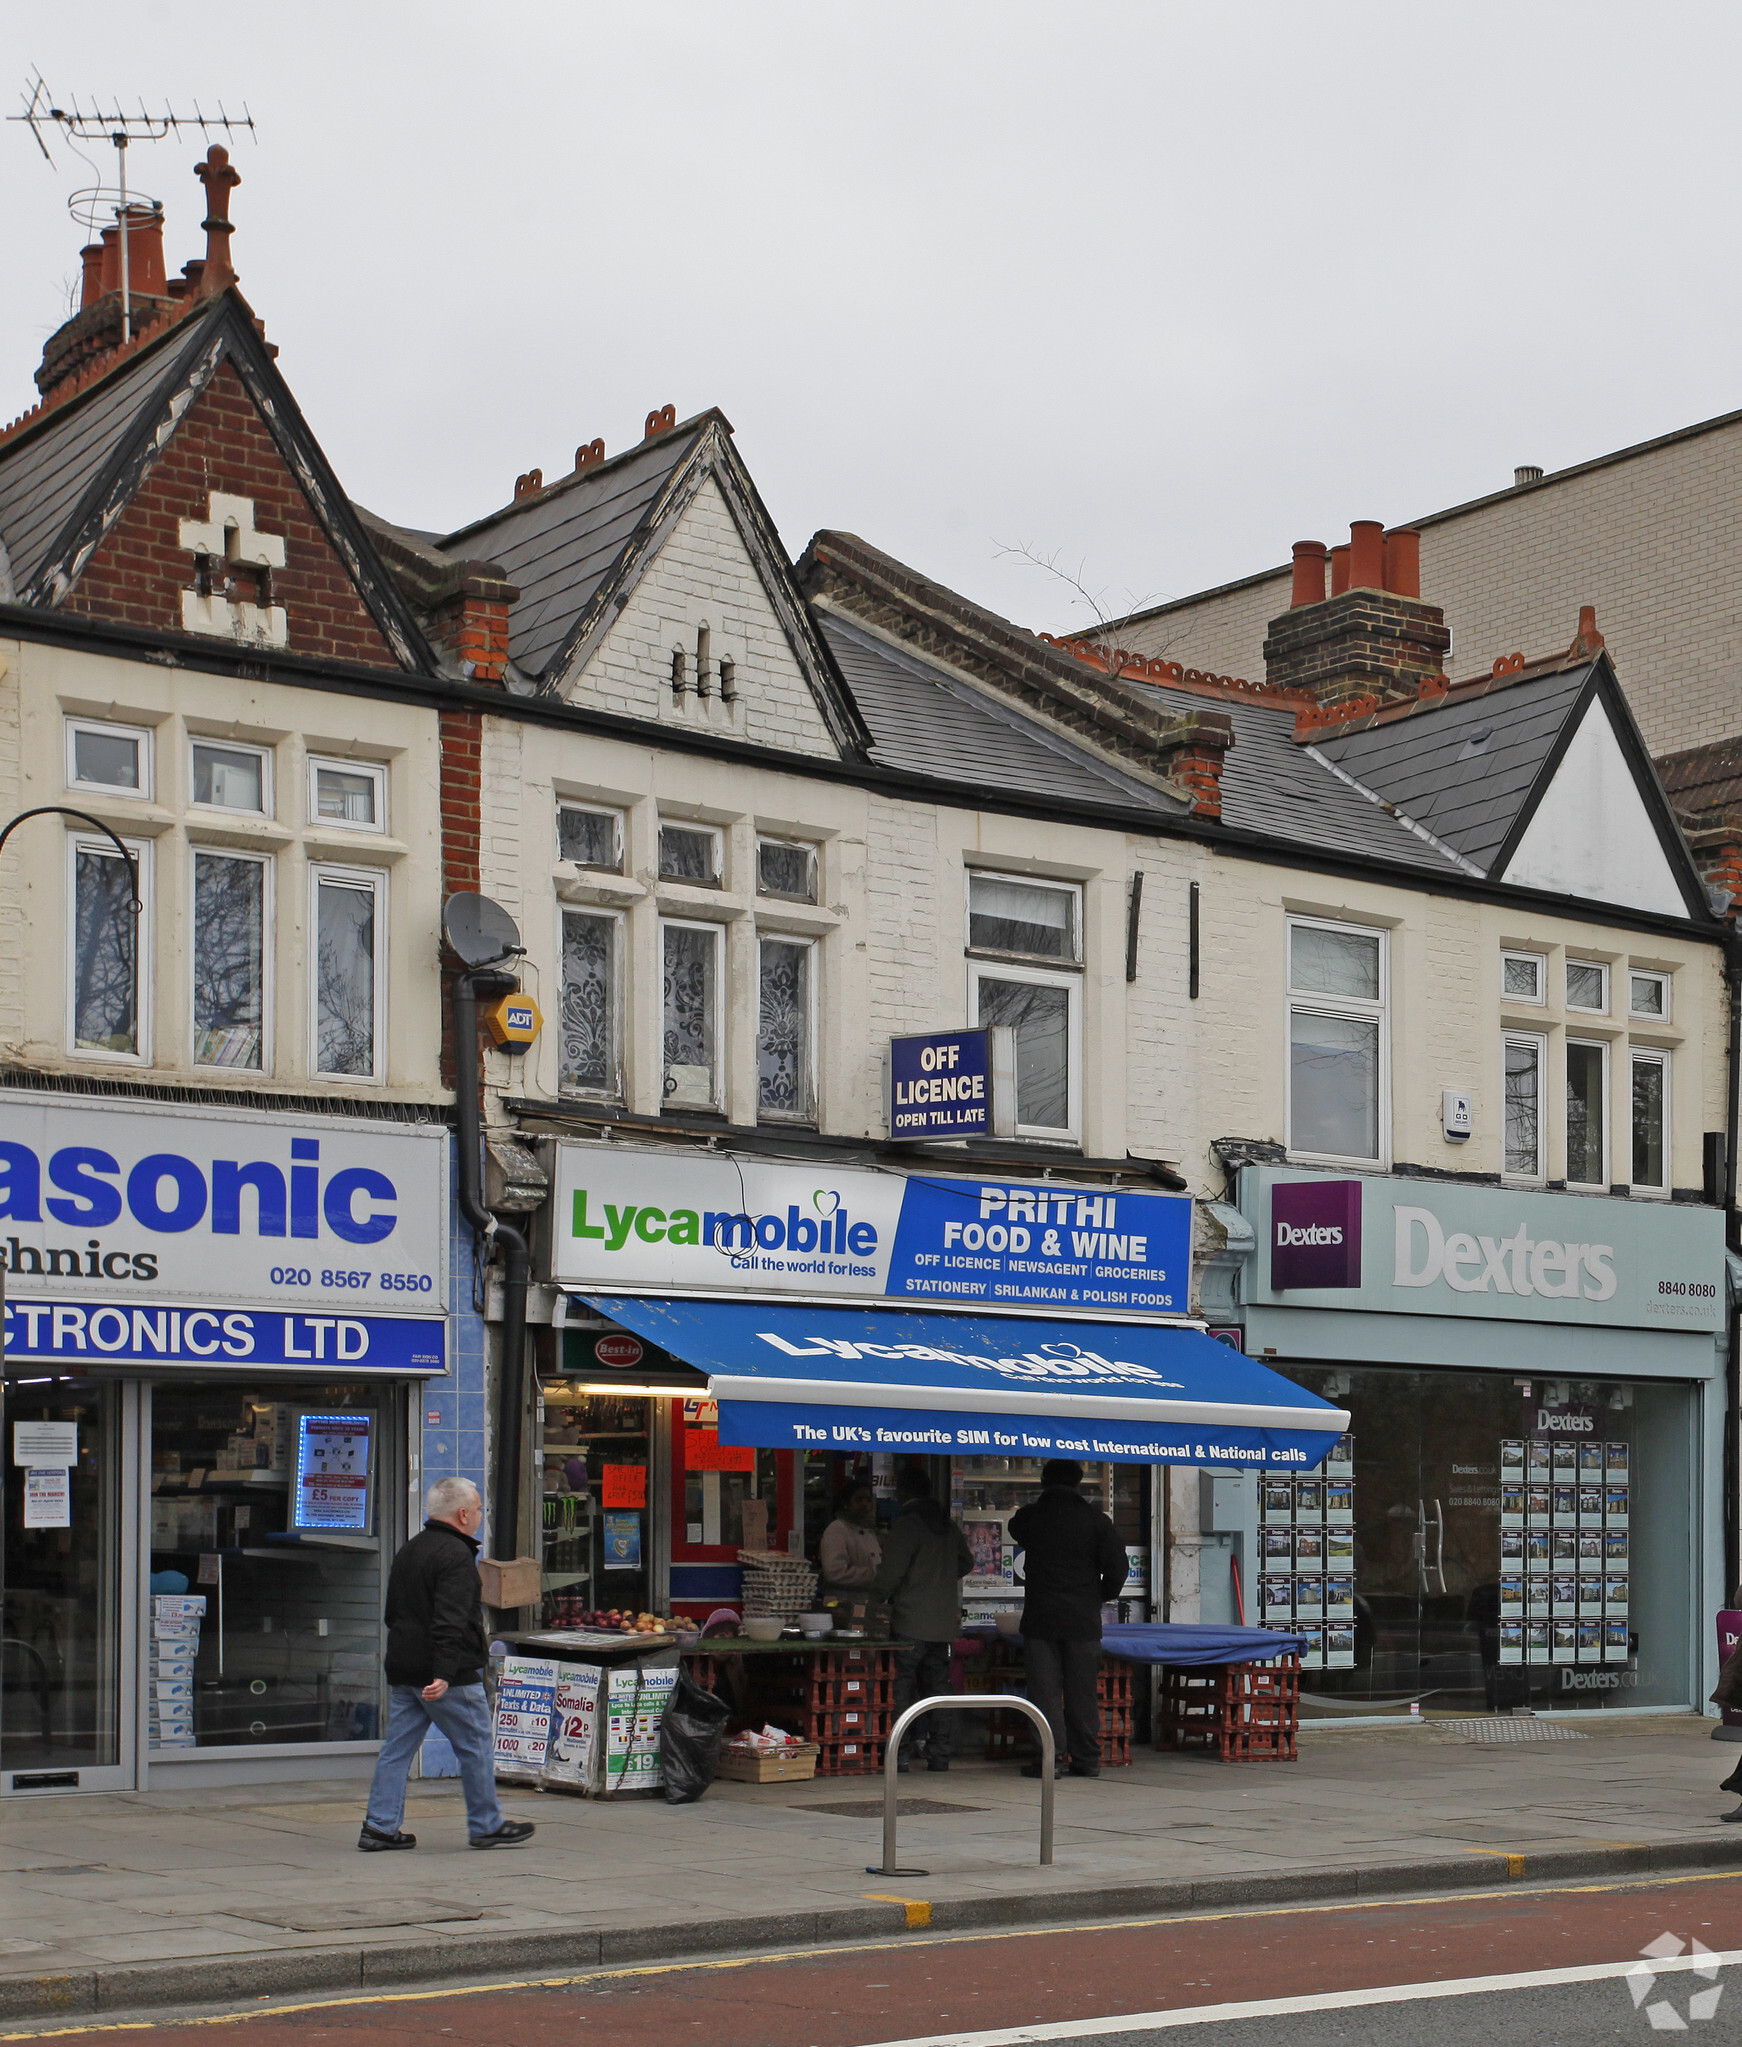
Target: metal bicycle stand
[976,1702]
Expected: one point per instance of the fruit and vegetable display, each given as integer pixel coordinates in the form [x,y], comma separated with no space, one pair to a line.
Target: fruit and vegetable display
[623,1621]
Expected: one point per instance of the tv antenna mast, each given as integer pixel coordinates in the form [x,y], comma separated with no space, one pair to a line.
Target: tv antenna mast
[89,122]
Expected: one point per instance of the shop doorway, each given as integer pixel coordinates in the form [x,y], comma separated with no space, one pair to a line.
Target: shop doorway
[1483,1542]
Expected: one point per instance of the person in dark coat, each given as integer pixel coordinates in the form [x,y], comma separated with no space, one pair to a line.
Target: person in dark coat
[1728,1694]
[1073,1563]
[925,1559]
[435,1660]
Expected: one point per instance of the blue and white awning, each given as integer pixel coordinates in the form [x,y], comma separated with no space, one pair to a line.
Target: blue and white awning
[810,1378]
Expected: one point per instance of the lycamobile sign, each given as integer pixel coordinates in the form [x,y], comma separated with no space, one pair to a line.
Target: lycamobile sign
[631,1219]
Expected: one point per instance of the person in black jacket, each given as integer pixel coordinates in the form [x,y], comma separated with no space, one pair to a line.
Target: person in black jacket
[435,1665]
[1073,1563]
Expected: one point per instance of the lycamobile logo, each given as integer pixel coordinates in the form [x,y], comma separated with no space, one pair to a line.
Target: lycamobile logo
[725,1231]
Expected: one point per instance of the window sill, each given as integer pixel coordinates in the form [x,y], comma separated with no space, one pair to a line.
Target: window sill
[807,920]
[229,828]
[593,885]
[354,848]
[132,818]
[703,904]
[1033,962]
[1319,1158]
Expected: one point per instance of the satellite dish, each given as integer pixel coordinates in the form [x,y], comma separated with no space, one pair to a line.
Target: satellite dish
[479,931]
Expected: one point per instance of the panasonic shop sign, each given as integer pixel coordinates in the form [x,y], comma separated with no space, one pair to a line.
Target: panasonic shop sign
[1420,1247]
[630,1221]
[135,1235]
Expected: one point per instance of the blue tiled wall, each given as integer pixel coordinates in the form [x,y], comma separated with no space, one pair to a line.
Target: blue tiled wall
[455,1411]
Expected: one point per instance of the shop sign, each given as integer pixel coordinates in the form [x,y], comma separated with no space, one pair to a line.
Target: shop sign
[628,1221]
[953,1083]
[1489,1252]
[112,1202]
[121,1332]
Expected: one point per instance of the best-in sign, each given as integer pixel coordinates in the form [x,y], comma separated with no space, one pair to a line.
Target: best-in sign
[953,1084]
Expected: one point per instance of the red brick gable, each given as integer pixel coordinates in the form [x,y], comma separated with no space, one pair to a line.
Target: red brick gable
[139,572]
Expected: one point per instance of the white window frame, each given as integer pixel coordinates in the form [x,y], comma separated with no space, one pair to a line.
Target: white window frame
[708,831]
[1664,981]
[716,1101]
[1538,1043]
[999,967]
[1603,1095]
[616,1093]
[144,949]
[374,879]
[1345,1006]
[375,770]
[808,1115]
[1071,889]
[1584,1009]
[267,928]
[1536,960]
[111,729]
[791,845]
[263,754]
[619,837]
[1641,1055]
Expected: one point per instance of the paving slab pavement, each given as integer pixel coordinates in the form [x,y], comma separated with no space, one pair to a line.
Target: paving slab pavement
[114,1902]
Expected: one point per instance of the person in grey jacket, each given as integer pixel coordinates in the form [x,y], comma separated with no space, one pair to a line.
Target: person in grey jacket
[925,1559]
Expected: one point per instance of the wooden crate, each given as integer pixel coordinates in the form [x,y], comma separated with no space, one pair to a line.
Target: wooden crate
[768,1766]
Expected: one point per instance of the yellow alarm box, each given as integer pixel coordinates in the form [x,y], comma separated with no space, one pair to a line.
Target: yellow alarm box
[514,1021]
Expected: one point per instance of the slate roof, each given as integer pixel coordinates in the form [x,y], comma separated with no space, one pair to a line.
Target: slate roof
[1464,768]
[1704,782]
[558,546]
[926,722]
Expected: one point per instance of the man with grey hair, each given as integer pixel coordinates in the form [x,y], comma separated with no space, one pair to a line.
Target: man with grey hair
[435,1665]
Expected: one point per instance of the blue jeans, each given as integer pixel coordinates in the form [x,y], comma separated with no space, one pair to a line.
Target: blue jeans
[463,1715]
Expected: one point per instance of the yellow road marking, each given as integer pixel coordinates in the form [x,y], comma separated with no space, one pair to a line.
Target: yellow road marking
[1514,1862]
[918,1909]
[1643,1881]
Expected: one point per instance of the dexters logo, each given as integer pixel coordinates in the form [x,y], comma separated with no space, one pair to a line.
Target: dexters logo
[85,1187]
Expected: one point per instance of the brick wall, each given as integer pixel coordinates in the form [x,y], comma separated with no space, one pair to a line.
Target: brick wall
[138,574]
[1650,540]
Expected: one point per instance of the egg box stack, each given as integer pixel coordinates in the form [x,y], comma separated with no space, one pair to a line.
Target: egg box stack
[175,1646]
[776,1585]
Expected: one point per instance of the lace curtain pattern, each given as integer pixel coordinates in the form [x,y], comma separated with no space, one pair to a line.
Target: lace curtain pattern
[589,1006]
[783,1038]
[690,953]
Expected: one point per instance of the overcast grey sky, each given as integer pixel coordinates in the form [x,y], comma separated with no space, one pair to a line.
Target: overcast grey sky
[1160,288]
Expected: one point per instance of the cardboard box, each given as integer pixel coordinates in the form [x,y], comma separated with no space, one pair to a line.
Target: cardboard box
[173,1609]
[516,1583]
[769,1766]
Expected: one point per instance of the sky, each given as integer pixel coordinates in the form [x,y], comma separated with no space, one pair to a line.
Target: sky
[1146,292]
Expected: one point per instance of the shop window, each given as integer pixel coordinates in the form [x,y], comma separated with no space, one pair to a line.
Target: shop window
[1588,986]
[1650,1122]
[691,1020]
[347,971]
[787,870]
[265,1511]
[232,915]
[115,759]
[1027,919]
[108,954]
[591,1005]
[1524,1060]
[1521,976]
[231,777]
[689,853]
[590,838]
[785,1030]
[1587,1132]
[598,1502]
[1337,1071]
[1648,996]
[1045,1012]
[348,793]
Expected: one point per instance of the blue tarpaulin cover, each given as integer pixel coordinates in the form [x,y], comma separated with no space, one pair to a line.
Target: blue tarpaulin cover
[792,1377]
[1181,1642]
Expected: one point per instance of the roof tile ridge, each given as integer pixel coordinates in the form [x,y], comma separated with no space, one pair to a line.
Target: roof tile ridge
[151,330]
[1120,665]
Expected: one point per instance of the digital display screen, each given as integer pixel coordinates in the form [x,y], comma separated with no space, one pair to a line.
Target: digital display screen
[332,1471]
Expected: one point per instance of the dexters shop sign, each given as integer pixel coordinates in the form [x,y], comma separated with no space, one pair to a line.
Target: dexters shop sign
[627,1220]
[130,1234]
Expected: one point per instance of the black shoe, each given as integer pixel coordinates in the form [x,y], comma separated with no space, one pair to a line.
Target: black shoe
[902,1766]
[510,1834]
[1736,1815]
[1085,1769]
[1039,1770]
[937,1762]
[373,1842]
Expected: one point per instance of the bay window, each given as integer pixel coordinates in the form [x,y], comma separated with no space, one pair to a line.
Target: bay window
[230,922]
[591,1003]
[1012,921]
[1338,1073]
[784,1084]
[1587,1123]
[1650,1121]
[348,971]
[108,950]
[690,1013]
[1524,1058]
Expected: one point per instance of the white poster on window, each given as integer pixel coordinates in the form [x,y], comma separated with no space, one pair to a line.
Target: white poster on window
[45,1443]
[48,1497]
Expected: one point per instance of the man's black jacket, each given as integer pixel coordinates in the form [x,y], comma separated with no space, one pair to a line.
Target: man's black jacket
[1074,1562]
[435,1616]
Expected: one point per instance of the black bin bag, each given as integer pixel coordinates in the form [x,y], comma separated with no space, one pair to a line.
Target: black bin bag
[690,1736]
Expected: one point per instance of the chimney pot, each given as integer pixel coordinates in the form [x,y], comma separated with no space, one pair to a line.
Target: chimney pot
[1339,570]
[1526,472]
[91,285]
[1366,555]
[219,180]
[1403,562]
[1309,573]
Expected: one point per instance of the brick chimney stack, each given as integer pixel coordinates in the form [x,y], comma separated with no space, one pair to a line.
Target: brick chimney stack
[1373,637]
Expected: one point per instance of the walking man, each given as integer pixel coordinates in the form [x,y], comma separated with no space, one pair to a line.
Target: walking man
[925,1559]
[1074,1563]
[435,1665]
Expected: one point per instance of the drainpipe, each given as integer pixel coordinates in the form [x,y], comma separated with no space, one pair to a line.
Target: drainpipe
[516,1255]
[1733,1241]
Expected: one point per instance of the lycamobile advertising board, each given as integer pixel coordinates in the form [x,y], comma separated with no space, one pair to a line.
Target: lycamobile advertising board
[629,1221]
